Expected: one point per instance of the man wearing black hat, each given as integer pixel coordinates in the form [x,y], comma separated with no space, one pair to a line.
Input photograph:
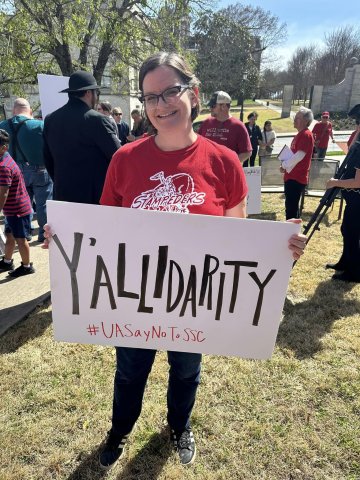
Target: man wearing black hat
[79,143]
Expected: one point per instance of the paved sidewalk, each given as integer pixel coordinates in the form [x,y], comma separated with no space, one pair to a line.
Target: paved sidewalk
[276,108]
[20,296]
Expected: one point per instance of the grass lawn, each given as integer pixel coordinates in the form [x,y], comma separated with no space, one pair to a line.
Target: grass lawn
[294,417]
[280,125]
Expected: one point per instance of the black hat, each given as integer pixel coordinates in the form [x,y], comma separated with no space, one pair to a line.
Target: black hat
[80,81]
[355,112]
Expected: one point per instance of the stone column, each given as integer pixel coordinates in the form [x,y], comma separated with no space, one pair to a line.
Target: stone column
[316,99]
[287,100]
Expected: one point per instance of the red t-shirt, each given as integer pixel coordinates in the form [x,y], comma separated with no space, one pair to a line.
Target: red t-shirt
[303,141]
[322,133]
[18,201]
[232,133]
[204,178]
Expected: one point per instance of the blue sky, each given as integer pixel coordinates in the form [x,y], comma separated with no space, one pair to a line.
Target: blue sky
[306,20]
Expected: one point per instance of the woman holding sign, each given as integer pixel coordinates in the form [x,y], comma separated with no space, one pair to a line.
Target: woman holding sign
[174,170]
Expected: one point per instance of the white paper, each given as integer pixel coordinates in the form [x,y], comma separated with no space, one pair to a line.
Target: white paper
[49,88]
[285,154]
[253,180]
[121,250]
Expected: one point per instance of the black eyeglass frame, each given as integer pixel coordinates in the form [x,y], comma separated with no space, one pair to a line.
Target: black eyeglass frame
[180,88]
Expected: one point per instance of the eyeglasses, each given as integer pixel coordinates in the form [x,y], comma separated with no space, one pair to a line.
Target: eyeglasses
[170,96]
[117,114]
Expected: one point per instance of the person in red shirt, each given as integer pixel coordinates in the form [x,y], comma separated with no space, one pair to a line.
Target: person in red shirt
[296,169]
[174,170]
[15,202]
[322,132]
[224,129]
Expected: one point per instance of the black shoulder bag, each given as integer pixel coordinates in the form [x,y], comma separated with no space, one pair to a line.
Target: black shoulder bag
[16,146]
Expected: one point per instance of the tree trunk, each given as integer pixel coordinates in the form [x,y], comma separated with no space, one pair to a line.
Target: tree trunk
[104,54]
[62,55]
[84,50]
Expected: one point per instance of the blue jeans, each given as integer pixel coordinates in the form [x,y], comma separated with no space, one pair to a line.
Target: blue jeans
[39,187]
[132,371]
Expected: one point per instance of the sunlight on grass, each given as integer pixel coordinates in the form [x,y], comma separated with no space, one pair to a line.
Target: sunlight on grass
[296,416]
[280,125]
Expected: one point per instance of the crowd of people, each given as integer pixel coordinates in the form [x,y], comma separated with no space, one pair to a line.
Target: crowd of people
[92,156]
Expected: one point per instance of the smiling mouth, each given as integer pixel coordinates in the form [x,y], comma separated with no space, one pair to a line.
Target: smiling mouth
[165,115]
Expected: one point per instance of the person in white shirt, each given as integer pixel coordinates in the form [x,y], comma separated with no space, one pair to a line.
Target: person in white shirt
[267,143]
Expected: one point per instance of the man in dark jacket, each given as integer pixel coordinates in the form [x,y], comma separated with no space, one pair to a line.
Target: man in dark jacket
[79,143]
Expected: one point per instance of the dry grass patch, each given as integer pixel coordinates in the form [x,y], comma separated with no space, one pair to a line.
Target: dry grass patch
[294,417]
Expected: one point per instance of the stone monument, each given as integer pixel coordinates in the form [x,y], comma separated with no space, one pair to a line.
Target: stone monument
[341,97]
[287,100]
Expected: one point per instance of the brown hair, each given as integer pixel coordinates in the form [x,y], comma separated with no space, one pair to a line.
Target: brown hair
[106,106]
[176,62]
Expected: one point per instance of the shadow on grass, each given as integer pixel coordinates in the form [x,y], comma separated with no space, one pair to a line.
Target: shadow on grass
[306,217]
[305,323]
[27,328]
[150,460]
[263,216]
[146,465]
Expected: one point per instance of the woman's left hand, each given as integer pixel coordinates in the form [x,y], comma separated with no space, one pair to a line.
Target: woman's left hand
[297,242]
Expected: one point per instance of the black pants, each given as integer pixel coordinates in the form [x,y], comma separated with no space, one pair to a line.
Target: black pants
[252,158]
[350,229]
[321,153]
[293,191]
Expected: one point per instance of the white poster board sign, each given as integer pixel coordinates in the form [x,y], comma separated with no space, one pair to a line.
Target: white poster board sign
[49,88]
[147,279]
[253,180]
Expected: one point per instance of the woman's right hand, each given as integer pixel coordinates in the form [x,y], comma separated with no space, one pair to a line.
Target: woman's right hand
[47,234]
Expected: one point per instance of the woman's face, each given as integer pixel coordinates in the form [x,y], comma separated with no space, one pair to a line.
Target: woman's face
[168,117]
[101,110]
[268,126]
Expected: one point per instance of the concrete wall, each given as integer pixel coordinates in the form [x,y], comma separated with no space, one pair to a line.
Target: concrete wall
[343,96]
[355,94]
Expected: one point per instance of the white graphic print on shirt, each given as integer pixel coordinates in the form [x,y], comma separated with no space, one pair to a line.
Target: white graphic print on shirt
[174,194]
